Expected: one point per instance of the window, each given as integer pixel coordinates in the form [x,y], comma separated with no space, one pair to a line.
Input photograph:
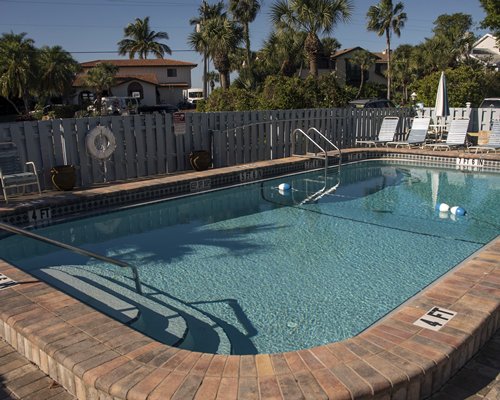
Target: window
[171,72]
[135,90]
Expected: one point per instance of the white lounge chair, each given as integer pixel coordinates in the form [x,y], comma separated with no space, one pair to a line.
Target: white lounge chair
[386,132]
[417,135]
[13,175]
[493,140]
[456,135]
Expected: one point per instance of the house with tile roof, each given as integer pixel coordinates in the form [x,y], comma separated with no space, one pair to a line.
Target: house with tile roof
[350,74]
[155,81]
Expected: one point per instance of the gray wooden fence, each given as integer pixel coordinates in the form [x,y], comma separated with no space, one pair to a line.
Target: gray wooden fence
[156,144]
[480,118]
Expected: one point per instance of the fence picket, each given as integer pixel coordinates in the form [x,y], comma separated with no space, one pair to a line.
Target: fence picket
[147,145]
[85,172]
[118,157]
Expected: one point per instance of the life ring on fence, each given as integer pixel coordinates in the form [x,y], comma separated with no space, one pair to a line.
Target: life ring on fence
[100,142]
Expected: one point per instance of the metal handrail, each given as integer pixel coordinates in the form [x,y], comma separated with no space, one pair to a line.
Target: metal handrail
[311,140]
[323,191]
[329,142]
[122,264]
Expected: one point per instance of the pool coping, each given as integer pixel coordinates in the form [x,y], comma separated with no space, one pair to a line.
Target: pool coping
[94,356]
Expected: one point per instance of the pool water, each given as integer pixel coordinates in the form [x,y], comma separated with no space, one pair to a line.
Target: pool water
[253,269]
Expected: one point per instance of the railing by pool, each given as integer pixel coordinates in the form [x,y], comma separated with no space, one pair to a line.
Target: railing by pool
[121,264]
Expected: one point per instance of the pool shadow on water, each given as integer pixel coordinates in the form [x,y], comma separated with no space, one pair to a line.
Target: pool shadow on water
[160,315]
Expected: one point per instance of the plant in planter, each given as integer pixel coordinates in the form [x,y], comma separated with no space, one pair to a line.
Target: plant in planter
[63,176]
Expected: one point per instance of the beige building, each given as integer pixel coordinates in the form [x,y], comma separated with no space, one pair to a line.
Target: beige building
[350,74]
[156,81]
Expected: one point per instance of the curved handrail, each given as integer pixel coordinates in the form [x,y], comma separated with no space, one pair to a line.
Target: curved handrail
[329,142]
[310,139]
[122,264]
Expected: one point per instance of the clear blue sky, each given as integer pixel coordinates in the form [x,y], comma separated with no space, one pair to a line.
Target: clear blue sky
[86,27]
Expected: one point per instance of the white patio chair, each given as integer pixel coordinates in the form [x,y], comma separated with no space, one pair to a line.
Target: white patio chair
[386,132]
[13,175]
[456,135]
[417,135]
[493,140]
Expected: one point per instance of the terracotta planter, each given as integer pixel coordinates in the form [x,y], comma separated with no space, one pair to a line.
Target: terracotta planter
[200,160]
[63,177]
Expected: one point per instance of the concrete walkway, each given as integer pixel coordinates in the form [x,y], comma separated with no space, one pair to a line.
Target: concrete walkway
[20,379]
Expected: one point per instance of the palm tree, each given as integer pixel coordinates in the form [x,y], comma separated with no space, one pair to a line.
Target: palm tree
[219,38]
[101,78]
[403,69]
[141,40]
[364,59]
[57,69]
[17,67]
[212,78]
[283,51]
[245,11]
[312,17]
[384,18]
[206,12]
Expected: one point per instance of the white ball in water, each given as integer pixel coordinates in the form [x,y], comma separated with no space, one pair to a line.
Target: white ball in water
[284,186]
[443,207]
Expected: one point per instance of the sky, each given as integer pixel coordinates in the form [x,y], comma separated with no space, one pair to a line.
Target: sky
[91,29]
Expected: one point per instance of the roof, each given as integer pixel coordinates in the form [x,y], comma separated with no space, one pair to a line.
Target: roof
[381,56]
[120,78]
[156,62]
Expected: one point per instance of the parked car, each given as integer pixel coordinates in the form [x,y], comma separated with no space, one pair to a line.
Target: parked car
[371,103]
[159,108]
[493,102]
[116,105]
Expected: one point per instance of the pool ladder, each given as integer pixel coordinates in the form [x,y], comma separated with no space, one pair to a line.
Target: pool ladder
[325,190]
[121,264]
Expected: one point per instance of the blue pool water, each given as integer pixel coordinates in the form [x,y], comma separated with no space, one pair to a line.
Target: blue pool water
[252,270]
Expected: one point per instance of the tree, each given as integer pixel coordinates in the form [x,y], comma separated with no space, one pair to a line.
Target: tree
[141,40]
[17,67]
[313,17]
[245,11]
[454,32]
[283,52]
[197,42]
[219,37]
[464,85]
[384,18]
[56,70]
[100,79]
[492,19]
[403,69]
[365,60]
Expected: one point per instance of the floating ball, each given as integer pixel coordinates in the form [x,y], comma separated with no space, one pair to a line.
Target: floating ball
[284,186]
[443,207]
[457,210]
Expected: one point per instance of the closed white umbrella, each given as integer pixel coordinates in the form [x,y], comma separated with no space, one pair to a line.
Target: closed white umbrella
[442,108]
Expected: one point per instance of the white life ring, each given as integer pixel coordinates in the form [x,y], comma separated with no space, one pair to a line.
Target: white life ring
[100,142]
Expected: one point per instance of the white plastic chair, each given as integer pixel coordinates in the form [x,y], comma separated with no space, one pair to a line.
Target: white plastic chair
[13,175]
[456,135]
[417,135]
[386,132]
[493,140]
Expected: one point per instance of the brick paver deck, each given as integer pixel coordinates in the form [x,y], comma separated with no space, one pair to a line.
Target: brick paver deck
[93,356]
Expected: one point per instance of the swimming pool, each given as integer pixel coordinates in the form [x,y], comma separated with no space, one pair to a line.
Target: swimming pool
[250,269]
